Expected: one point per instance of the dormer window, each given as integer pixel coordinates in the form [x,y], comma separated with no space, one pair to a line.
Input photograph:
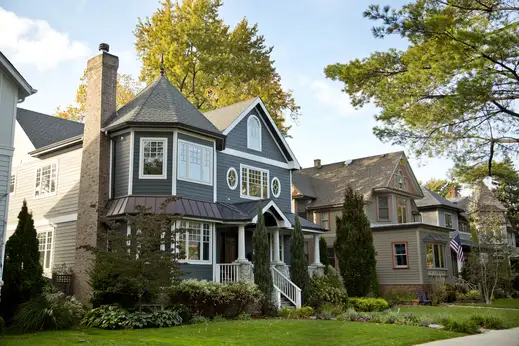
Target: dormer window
[400,181]
[254,133]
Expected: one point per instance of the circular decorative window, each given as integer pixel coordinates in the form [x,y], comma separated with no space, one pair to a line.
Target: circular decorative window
[276,187]
[232,178]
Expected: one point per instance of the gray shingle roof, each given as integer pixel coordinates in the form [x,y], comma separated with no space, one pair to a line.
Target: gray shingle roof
[44,130]
[160,103]
[329,182]
[487,200]
[223,117]
[304,184]
[432,199]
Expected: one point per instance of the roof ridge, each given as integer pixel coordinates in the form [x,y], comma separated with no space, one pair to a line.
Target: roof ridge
[150,87]
[358,158]
[232,104]
[50,116]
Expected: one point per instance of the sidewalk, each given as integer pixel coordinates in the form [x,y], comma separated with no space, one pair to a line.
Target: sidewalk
[507,337]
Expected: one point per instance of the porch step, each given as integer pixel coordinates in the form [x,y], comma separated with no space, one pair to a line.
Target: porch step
[286,304]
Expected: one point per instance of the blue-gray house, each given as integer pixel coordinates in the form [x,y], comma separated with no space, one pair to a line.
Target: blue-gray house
[223,165]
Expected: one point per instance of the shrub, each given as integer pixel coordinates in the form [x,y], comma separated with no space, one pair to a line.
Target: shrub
[334,310]
[488,321]
[2,325]
[466,326]
[327,289]
[243,316]
[115,317]
[51,310]
[438,291]
[304,312]
[199,320]
[211,298]
[369,304]
[398,296]
[473,295]
[500,293]
[349,315]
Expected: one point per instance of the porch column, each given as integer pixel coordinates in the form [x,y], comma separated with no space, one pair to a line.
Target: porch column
[241,244]
[317,253]
[275,245]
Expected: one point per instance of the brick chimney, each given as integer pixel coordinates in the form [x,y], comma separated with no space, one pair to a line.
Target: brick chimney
[93,186]
[317,163]
[452,191]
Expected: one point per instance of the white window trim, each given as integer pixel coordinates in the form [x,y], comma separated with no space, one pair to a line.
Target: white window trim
[256,169]
[164,174]
[50,194]
[181,141]
[272,187]
[249,145]
[237,178]
[14,187]
[48,272]
[395,262]
[445,220]
[210,245]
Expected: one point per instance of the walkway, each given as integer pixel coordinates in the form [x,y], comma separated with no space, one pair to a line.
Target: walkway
[507,337]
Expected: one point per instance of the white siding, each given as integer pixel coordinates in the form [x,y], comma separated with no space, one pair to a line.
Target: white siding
[64,244]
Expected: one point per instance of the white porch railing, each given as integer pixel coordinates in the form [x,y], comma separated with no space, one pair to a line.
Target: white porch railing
[227,272]
[287,288]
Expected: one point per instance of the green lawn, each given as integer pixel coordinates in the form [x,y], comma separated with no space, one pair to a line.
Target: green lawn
[498,303]
[510,317]
[258,332]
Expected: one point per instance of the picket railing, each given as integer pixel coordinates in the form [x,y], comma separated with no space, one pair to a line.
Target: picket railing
[227,272]
[285,287]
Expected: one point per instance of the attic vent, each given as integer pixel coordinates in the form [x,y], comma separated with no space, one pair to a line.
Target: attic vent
[348,162]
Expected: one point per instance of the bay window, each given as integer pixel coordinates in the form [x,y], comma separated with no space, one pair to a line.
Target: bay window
[153,158]
[195,163]
[194,241]
[383,208]
[402,210]
[254,182]
[448,220]
[435,256]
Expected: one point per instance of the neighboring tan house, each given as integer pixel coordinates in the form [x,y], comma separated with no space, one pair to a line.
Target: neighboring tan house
[13,90]
[225,165]
[390,189]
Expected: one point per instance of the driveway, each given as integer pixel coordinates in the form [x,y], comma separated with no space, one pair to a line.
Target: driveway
[507,337]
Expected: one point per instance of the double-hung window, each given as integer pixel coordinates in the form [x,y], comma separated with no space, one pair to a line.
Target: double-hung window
[194,241]
[46,180]
[448,220]
[153,158]
[325,222]
[435,256]
[45,249]
[195,163]
[383,208]
[12,184]
[402,210]
[254,182]
[400,255]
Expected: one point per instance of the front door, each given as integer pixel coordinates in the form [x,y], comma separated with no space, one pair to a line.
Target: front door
[230,247]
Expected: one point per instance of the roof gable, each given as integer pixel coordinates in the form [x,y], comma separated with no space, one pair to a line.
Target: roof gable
[43,130]
[23,86]
[432,199]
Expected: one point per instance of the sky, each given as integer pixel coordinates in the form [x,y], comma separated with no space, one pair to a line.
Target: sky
[50,42]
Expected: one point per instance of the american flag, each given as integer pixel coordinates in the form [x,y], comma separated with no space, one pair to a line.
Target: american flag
[456,246]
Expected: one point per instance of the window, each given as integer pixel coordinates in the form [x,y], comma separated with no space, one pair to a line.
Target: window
[254,133]
[383,208]
[276,187]
[195,241]
[448,220]
[325,222]
[45,248]
[331,256]
[153,158]
[195,163]
[401,182]
[232,178]
[12,184]
[46,180]
[402,210]
[254,182]
[435,256]
[400,255]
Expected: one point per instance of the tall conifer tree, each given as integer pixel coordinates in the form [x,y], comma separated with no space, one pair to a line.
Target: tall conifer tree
[299,266]
[262,272]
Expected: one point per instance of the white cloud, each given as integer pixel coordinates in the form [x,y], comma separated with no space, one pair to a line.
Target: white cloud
[34,42]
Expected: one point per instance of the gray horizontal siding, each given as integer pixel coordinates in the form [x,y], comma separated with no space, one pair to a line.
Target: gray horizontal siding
[193,190]
[5,162]
[225,194]
[237,139]
[152,186]
[197,271]
[64,244]
[121,157]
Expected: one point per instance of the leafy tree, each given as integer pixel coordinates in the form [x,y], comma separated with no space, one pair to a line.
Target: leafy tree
[262,271]
[488,262]
[354,247]
[299,267]
[452,91]
[210,63]
[323,253]
[442,186]
[23,273]
[505,181]
[127,88]
[136,267]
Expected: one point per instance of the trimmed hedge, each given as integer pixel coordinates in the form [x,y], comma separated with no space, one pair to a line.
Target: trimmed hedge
[115,317]
[208,299]
[369,304]
[327,289]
